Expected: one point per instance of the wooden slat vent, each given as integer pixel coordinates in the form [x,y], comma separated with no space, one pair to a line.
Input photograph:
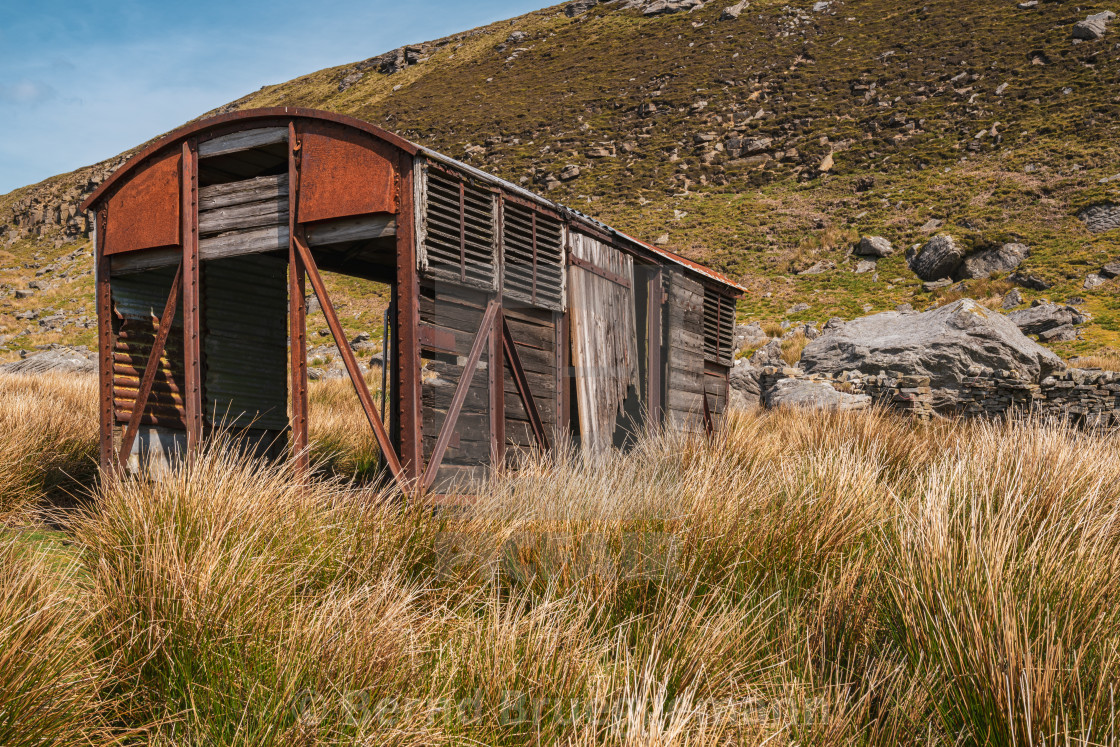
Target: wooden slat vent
[459,231]
[719,325]
[533,253]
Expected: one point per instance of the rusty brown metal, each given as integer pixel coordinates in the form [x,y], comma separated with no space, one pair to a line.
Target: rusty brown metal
[104,345]
[345,172]
[150,369]
[522,383]
[146,209]
[192,312]
[496,370]
[411,420]
[297,314]
[438,339]
[348,358]
[484,335]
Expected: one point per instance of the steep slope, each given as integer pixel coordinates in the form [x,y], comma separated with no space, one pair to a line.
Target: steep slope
[765,144]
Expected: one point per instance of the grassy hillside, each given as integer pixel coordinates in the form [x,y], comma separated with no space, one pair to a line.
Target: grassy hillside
[869,117]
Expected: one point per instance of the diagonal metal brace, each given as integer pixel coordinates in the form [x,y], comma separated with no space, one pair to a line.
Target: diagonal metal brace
[493,309]
[151,368]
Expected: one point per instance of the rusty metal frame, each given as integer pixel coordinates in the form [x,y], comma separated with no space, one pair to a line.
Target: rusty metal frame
[151,368]
[191,281]
[484,336]
[297,315]
[522,384]
[383,441]
[105,343]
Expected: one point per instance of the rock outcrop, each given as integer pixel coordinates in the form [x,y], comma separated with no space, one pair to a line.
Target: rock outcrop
[873,246]
[942,344]
[938,259]
[803,393]
[988,261]
[56,359]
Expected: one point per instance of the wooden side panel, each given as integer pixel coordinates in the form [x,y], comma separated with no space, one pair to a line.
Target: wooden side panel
[604,339]
[345,172]
[450,316]
[684,346]
[716,386]
[534,334]
[144,212]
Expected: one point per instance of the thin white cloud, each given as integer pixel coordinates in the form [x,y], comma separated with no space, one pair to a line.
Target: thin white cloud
[26,92]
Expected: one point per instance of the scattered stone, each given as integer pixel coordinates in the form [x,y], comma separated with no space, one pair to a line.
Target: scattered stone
[1101,217]
[41,285]
[931,225]
[939,258]
[1065,333]
[1012,299]
[1044,316]
[865,265]
[943,344]
[1028,5]
[731,12]
[904,308]
[769,354]
[833,323]
[1028,280]
[815,395]
[21,293]
[819,268]
[56,359]
[826,164]
[749,336]
[984,263]
[1094,281]
[932,285]
[873,246]
[821,6]
[662,240]
[571,171]
[1093,27]
[659,7]
[1112,269]
[797,308]
[579,7]
[865,183]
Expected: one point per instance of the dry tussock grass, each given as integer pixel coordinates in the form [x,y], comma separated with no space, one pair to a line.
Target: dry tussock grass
[807,578]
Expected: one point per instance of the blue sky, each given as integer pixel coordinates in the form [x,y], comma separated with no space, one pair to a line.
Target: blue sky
[80,81]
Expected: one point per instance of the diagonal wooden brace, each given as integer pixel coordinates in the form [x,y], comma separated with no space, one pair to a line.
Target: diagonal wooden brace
[151,368]
[522,383]
[383,441]
[709,423]
[460,396]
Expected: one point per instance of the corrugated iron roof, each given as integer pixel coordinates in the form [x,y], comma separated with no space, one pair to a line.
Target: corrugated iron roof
[248,116]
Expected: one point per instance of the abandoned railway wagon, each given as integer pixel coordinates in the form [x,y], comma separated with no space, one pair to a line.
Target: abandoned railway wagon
[514,323]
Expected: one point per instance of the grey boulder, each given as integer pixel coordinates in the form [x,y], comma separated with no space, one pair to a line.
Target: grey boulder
[1045,316]
[745,386]
[813,395]
[873,246]
[942,344]
[769,354]
[939,258]
[749,336]
[57,360]
[1003,259]
[1094,26]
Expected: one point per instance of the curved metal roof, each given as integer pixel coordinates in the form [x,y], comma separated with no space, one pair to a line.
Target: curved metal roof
[250,117]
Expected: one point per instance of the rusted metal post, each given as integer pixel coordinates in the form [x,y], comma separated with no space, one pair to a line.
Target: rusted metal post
[150,369]
[192,316]
[297,314]
[653,347]
[408,330]
[104,342]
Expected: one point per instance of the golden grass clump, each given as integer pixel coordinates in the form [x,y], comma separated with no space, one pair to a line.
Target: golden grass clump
[48,436]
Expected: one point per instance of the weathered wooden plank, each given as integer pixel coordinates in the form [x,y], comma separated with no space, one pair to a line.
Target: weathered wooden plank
[242,140]
[257,189]
[342,230]
[148,259]
[242,216]
[252,241]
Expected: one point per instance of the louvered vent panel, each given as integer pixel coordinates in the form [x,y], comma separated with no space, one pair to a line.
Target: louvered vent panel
[533,252]
[719,324]
[459,233]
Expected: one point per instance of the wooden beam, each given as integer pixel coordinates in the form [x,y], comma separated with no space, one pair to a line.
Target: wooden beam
[653,347]
[522,384]
[409,389]
[241,140]
[348,358]
[709,424]
[614,277]
[497,378]
[297,317]
[480,342]
[192,313]
[151,368]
